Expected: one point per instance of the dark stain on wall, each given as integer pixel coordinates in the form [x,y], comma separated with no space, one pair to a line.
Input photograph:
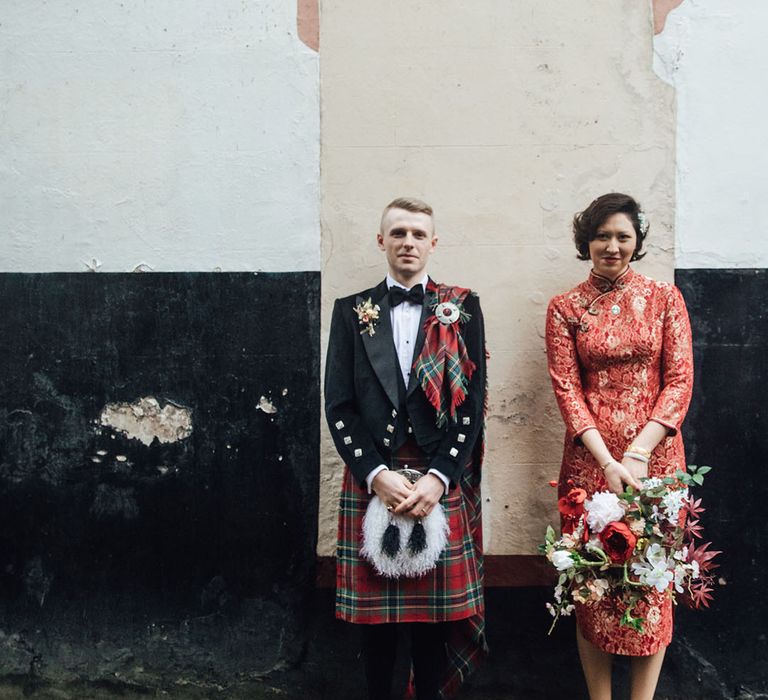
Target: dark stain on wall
[186,561]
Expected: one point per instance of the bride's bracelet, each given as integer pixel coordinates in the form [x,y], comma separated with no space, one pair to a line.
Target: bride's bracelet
[637,456]
[609,462]
[637,450]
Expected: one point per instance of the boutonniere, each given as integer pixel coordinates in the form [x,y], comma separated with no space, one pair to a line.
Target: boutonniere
[367,316]
[447,313]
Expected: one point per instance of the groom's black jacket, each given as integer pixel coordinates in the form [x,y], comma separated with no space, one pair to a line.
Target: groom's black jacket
[369,409]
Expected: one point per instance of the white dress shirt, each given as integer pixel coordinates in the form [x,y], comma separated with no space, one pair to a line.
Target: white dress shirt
[405,319]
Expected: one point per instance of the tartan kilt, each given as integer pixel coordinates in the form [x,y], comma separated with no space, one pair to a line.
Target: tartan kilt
[451,592]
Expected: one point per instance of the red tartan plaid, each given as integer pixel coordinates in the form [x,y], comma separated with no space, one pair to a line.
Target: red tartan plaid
[443,367]
[453,591]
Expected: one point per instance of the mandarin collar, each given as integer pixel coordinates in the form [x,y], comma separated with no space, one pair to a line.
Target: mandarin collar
[603,284]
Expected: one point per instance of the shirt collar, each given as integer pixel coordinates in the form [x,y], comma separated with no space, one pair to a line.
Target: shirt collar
[391,282]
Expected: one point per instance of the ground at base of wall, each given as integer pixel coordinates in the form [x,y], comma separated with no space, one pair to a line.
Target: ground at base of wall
[525,664]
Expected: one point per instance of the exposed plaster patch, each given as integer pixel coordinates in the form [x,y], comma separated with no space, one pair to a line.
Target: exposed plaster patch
[661,8]
[266,405]
[143,267]
[308,23]
[145,420]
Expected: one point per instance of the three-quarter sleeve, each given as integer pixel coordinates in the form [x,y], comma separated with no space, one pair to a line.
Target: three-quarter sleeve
[563,363]
[677,364]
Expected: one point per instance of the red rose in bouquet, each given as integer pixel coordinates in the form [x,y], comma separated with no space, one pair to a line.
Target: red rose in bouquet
[618,542]
[571,507]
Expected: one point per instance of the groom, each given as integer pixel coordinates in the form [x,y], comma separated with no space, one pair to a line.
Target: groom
[405,387]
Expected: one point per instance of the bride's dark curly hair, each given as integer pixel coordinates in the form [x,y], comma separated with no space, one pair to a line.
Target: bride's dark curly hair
[586,223]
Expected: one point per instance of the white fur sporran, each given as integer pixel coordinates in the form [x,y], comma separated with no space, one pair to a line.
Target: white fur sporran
[406,562]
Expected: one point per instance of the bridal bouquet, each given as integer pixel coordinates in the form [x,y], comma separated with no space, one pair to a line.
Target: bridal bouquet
[630,544]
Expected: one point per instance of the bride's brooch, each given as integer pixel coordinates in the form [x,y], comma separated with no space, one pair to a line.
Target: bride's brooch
[367,316]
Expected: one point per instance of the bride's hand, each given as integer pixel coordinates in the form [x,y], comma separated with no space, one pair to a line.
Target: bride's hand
[617,475]
[637,468]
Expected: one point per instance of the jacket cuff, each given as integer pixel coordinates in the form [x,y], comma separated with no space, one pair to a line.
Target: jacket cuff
[372,475]
[447,467]
[363,465]
[446,481]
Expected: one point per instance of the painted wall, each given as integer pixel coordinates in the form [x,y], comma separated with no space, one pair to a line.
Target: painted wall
[713,53]
[159,433]
[158,475]
[186,139]
[162,135]
[507,118]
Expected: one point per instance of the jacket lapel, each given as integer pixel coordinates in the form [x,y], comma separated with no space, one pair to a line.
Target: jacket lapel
[380,347]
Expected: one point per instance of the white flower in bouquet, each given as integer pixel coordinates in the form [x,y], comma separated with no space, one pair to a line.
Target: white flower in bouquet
[603,508]
[680,574]
[655,571]
[656,555]
[598,588]
[637,525]
[672,502]
[651,483]
[658,577]
[561,559]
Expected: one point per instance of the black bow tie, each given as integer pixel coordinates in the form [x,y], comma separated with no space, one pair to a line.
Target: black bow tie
[397,295]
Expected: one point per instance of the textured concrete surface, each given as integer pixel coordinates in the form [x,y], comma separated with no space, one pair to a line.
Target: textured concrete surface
[507,118]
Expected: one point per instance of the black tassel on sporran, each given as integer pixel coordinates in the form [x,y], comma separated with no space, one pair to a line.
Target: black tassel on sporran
[390,541]
[417,542]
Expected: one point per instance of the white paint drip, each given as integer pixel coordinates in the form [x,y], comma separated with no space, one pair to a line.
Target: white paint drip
[145,420]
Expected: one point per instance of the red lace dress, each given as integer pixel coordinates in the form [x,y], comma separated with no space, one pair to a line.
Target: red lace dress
[620,355]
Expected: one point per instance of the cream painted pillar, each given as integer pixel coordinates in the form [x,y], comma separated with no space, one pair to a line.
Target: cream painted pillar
[507,117]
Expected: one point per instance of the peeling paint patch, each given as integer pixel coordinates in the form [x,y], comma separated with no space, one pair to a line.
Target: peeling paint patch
[308,23]
[266,405]
[145,420]
[661,8]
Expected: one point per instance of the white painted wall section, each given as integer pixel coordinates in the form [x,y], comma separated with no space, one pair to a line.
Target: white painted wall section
[713,53]
[184,136]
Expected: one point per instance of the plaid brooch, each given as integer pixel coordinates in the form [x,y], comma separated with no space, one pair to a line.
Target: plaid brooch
[443,368]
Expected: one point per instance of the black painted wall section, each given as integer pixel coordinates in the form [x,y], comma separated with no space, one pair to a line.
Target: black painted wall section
[727,428]
[188,560]
[189,566]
